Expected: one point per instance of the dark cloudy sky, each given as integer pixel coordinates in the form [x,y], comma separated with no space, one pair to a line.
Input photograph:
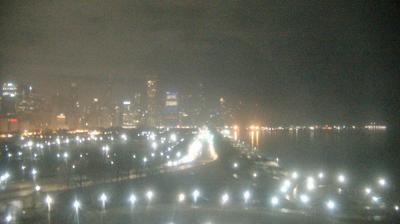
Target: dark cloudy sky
[300,61]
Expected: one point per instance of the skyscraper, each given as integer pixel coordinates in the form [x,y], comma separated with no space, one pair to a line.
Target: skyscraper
[8,119]
[128,118]
[9,99]
[152,118]
[171,109]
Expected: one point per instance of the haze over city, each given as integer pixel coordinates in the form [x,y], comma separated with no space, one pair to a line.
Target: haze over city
[208,112]
[287,63]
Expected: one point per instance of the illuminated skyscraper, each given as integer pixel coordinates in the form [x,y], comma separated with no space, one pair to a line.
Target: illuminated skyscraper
[152,118]
[9,99]
[73,111]
[171,109]
[128,117]
[8,119]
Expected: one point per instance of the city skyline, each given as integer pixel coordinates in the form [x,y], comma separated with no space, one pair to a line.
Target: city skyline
[207,111]
[24,108]
[323,62]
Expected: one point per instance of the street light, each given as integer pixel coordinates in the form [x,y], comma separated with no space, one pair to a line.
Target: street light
[285,186]
[103,199]
[367,190]
[37,188]
[173,137]
[274,201]
[304,198]
[8,218]
[310,183]
[76,205]
[246,196]
[149,195]
[341,178]
[124,137]
[48,201]
[382,182]
[375,199]
[181,197]
[224,199]
[132,199]
[195,195]
[34,173]
[330,204]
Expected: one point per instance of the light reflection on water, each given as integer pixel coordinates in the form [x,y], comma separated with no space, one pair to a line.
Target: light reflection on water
[360,152]
[254,139]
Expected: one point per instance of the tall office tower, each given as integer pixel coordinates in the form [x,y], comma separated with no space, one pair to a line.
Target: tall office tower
[171,109]
[127,115]
[93,114]
[74,110]
[8,118]
[152,118]
[137,109]
[9,99]
[224,113]
[201,107]
[116,117]
[27,107]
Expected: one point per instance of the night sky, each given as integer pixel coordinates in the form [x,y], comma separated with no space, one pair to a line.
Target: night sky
[287,61]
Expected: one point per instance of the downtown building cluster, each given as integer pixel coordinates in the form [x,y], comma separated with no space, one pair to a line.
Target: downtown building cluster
[23,108]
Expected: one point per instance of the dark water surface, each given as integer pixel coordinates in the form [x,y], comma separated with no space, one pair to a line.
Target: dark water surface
[360,154]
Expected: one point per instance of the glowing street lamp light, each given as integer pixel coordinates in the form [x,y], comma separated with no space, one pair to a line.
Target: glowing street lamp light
[295,175]
[321,175]
[382,182]
[76,205]
[132,199]
[124,137]
[173,137]
[37,188]
[48,201]
[330,205]
[181,197]
[367,190]
[224,199]
[106,149]
[195,195]
[246,196]
[274,201]
[375,199]
[149,195]
[341,178]
[103,198]
[310,183]
[154,145]
[396,208]
[285,186]
[34,173]
[304,198]
[8,218]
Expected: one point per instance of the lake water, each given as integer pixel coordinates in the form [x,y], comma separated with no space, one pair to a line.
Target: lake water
[360,154]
